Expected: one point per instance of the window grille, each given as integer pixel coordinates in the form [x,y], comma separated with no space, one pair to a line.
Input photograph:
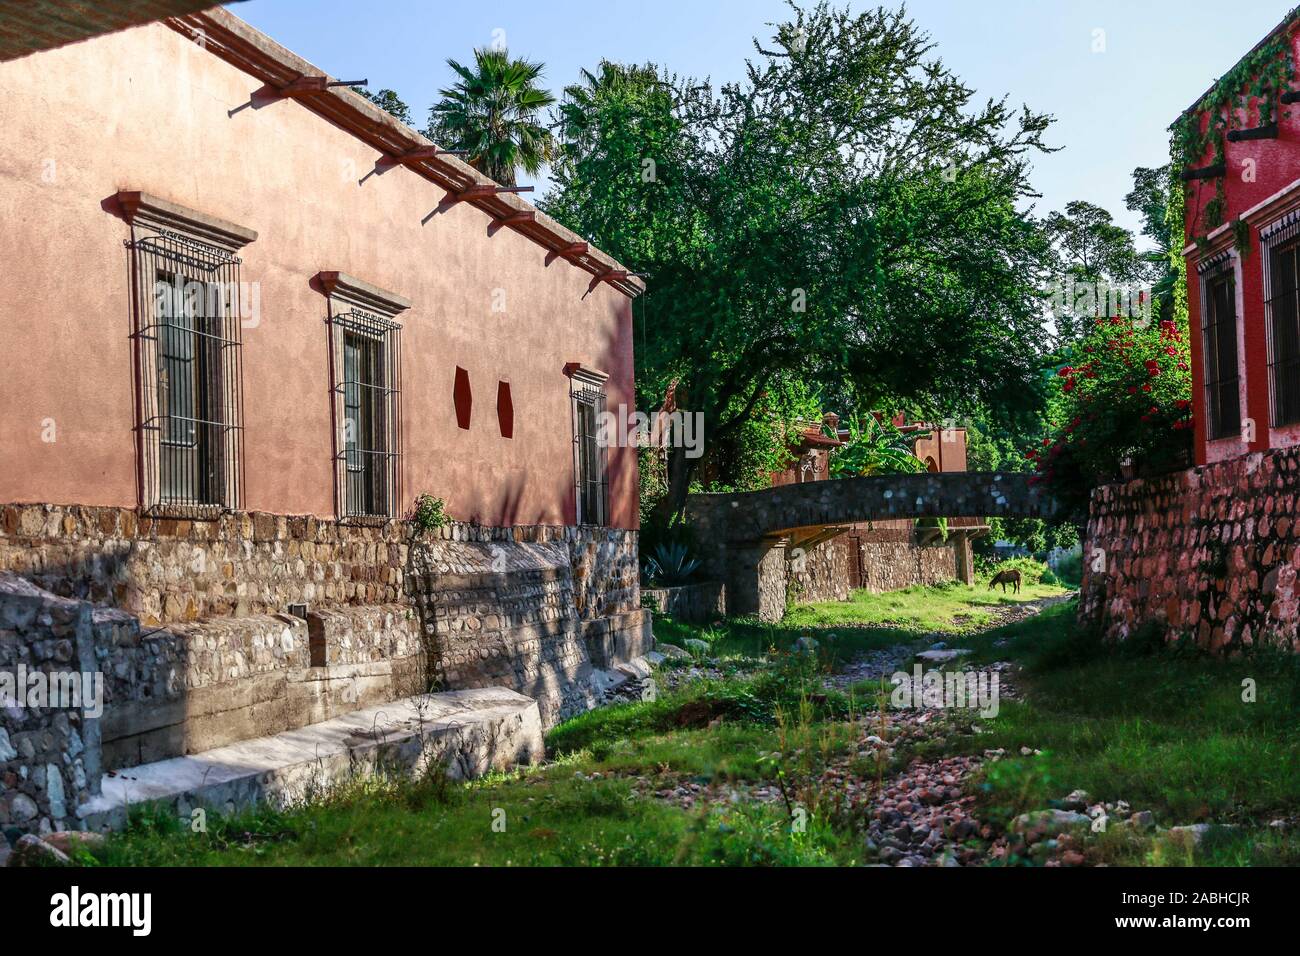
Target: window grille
[366,370]
[590,472]
[189,372]
[1282,319]
[1219,334]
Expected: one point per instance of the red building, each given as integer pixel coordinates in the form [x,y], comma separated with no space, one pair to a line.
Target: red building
[1238,148]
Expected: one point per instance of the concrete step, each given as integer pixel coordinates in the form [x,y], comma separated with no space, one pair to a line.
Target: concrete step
[471,731]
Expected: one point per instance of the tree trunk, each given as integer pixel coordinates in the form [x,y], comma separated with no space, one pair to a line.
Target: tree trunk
[680,468]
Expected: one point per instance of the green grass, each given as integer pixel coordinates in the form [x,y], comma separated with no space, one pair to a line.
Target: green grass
[1164,729]
[951,608]
[543,818]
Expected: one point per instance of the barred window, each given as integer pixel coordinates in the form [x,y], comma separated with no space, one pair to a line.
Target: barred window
[1219,335]
[367,363]
[1282,308]
[189,371]
[591,484]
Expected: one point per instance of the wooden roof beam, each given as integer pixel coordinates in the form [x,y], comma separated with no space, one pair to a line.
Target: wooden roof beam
[484,191]
[313,85]
[422,153]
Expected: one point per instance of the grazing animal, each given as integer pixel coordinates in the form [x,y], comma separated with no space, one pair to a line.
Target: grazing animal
[1004,578]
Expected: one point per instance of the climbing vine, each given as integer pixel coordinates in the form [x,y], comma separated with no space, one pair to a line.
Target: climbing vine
[1260,77]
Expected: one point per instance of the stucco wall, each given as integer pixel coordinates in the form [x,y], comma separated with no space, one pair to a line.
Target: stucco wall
[1258,175]
[148,110]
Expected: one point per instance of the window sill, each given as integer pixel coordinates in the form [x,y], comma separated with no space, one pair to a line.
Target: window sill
[187,512]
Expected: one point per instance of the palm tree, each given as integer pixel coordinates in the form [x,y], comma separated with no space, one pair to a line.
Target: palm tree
[580,99]
[493,113]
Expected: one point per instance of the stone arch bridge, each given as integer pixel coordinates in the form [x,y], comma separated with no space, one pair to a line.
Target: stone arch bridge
[746,537]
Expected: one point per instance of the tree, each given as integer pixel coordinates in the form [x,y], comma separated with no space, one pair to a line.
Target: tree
[388,101]
[843,214]
[1122,400]
[494,113]
[1150,197]
[1093,254]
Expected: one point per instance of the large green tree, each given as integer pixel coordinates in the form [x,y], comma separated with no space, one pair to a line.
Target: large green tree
[846,213]
[1095,258]
[495,112]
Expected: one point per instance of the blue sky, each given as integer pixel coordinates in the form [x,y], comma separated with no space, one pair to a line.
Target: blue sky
[1113,107]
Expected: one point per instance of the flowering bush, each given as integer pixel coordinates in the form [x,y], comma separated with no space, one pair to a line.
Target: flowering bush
[1122,406]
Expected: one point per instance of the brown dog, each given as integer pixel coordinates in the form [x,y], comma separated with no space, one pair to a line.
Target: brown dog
[1004,578]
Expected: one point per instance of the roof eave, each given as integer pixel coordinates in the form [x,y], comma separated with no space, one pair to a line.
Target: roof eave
[235,41]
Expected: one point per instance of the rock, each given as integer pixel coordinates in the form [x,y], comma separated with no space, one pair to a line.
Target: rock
[942,657]
[805,645]
[1193,834]
[636,668]
[22,808]
[1143,820]
[66,841]
[939,645]
[671,651]
[1049,822]
[1072,858]
[1077,800]
[696,646]
[33,851]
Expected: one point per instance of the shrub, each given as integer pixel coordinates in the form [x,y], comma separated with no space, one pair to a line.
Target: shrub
[1031,570]
[1122,407]
[428,515]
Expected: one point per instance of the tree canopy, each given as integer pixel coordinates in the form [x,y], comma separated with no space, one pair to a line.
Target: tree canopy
[847,214]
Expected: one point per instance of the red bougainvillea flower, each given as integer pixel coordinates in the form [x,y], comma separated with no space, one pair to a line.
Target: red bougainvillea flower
[1146,388]
[1132,389]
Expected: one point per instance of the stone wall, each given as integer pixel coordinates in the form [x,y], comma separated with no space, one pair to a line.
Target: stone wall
[532,609]
[819,573]
[49,755]
[701,603]
[165,569]
[387,615]
[751,515]
[1209,554]
[889,565]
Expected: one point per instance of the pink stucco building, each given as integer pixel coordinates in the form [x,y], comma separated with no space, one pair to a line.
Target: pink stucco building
[230,286]
[248,318]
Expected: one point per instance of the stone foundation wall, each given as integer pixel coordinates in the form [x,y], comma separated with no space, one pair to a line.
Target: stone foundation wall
[49,755]
[820,573]
[387,616]
[531,610]
[892,565]
[700,603]
[1209,554]
[164,569]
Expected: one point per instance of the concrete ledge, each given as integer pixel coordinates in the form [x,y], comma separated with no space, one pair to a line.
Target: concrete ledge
[471,731]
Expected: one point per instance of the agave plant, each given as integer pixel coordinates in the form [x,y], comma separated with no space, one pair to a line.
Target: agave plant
[874,448]
[670,564]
